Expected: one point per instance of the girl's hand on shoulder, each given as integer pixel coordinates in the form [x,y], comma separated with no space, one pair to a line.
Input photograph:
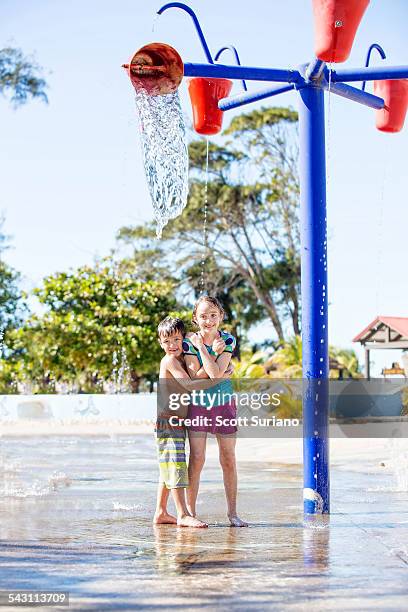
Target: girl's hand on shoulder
[218,346]
[198,341]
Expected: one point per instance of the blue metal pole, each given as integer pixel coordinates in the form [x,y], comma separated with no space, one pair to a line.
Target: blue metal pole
[356,95]
[249,73]
[314,299]
[370,74]
[252,96]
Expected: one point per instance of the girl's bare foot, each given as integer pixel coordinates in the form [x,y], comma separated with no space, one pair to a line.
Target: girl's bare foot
[164,518]
[190,521]
[236,521]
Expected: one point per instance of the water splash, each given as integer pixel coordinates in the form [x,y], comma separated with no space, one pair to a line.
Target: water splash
[58,479]
[205,233]
[117,506]
[165,153]
[119,381]
[4,411]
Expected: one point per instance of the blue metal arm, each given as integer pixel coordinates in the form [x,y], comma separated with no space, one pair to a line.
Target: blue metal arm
[222,71]
[314,70]
[352,93]
[247,98]
[370,74]
[370,50]
[235,54]
[192,14]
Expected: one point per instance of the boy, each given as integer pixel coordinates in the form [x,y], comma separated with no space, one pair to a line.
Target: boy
[171,438]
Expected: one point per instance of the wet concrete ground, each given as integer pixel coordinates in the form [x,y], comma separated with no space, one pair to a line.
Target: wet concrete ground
[115,559]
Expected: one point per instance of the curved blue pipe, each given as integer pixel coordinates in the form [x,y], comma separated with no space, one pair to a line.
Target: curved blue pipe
[370,49]
[193,16]
[235,54]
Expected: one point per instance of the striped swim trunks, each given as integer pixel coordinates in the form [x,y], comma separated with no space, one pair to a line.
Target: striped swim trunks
[171,451]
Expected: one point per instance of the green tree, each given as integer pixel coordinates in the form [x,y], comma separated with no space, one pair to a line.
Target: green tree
[93,316]
[20,77]
[252,220]
[12,309]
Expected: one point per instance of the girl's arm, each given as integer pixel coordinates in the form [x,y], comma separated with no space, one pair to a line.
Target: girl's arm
[214,369]
[191,358]
[194,369]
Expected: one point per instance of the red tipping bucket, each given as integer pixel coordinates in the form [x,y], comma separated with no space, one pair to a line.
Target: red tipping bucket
[395,95]
[157,68]
[205,95]
[336,23]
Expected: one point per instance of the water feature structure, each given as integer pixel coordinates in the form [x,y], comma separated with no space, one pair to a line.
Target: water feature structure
[336,23]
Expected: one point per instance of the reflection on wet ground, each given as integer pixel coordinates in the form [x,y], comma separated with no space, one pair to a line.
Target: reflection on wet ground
[75,515]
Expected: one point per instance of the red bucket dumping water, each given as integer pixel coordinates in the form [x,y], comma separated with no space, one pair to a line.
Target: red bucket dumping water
[205,95]
[156,68]
[395,95]
[336,23]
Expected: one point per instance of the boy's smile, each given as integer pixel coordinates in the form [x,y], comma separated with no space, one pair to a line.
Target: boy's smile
[172,345]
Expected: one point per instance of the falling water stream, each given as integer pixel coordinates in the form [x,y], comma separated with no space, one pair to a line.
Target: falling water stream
[205,234]
[165,153]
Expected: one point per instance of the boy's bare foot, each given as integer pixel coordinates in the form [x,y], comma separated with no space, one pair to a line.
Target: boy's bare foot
[190,521]
[236,521]
[164,518]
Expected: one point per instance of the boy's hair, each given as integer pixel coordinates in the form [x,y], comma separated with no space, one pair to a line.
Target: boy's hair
[206,299]
[170,326]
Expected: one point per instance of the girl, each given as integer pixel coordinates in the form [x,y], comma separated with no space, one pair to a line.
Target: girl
[208,352]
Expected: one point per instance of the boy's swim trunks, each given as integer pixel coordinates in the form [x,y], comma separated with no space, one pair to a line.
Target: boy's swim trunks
[171,451]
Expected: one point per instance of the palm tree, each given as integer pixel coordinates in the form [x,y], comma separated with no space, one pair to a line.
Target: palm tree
[347,360]
[288,359]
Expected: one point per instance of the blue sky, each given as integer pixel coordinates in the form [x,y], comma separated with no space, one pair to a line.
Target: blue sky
[72,175]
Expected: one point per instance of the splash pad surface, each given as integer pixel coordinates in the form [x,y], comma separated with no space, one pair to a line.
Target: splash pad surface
[86,526]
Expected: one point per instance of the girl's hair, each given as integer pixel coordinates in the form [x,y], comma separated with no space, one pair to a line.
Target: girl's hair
[170,326]
[206,299]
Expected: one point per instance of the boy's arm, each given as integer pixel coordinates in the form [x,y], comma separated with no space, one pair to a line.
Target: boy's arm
[181,376]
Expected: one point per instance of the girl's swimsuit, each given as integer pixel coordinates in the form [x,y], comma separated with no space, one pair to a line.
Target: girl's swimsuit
[214,414]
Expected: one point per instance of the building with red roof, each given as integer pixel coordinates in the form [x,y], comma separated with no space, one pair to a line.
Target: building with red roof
[384,333]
